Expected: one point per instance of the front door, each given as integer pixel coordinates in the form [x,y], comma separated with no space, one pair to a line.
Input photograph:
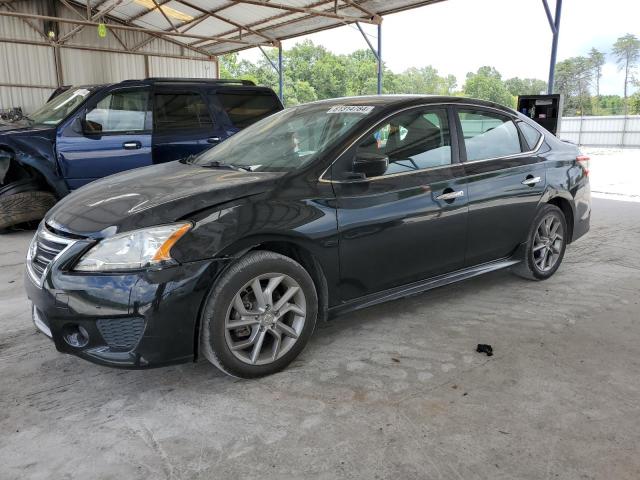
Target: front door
[409,223]
[183,125]
[506,180]
[112,134]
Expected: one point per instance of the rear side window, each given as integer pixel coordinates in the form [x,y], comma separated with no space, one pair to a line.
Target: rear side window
[531,135]
[488,135]
[245,108]
[181,111]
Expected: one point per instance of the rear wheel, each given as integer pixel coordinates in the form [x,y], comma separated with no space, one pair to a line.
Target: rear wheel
[259,316]
[23,201]
[545,246]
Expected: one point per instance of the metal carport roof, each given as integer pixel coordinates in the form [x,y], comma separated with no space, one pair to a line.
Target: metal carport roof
[217,27]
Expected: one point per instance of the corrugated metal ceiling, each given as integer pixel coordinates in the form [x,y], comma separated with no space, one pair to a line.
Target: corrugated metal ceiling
[242,24]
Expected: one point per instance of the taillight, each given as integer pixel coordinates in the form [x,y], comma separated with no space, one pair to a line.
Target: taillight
[583,160]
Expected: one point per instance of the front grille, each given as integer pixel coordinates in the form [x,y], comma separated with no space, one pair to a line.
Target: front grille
[121,333]
[44,249]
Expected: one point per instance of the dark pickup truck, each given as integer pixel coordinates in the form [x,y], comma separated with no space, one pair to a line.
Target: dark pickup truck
[89,132]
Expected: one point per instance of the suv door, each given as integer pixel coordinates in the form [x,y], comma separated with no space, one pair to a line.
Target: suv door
[506,180]
[397,228]
[111,134]
[183,124]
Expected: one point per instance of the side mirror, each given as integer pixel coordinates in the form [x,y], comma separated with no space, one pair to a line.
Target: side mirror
[370,164]
[90,128]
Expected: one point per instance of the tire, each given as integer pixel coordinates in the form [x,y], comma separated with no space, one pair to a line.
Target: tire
[276,312]
[533,266]
[23,202]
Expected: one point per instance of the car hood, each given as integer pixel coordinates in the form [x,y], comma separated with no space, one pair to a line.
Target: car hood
[151,196]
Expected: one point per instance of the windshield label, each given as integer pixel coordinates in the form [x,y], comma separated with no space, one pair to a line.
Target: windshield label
[365,110]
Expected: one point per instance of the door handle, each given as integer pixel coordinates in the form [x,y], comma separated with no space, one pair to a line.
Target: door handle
[451,195]
[131,145]
[213,140]
[531,181]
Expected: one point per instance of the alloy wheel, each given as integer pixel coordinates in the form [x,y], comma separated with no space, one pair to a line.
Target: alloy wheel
[265,319]
[548,243]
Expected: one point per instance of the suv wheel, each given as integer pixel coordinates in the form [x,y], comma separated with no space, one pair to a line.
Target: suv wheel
[259,315]
[546,245]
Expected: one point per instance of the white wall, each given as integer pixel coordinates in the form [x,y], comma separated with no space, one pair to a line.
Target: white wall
[606,131]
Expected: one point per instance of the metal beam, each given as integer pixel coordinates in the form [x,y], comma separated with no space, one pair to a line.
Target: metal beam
[173,27]
[366,39]
[213,14]
[555,30]
[33,27]
[357,6]
[311,11]
[280,74]
[101,49]
[277,17]
[161,33]
[380,59]
[82,25]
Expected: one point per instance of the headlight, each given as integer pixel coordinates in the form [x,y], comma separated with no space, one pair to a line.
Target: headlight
[130,250]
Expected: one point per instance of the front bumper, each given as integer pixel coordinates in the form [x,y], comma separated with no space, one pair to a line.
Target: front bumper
[132,320]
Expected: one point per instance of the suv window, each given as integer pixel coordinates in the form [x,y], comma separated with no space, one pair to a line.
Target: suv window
[245,108]
[181,111]
[531,135]
[412,140]
[126,111]
[488,135]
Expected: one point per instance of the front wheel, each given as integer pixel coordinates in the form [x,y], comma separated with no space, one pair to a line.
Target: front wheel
[259,315]
[545,245]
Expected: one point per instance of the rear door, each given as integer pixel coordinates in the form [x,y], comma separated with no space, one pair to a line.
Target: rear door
[183,124]
[245,106]
[506,180]
[111,134]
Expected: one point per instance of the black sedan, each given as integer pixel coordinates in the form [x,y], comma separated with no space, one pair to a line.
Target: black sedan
[318,210]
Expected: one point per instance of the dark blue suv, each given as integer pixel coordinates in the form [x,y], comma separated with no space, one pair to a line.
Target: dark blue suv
[86,133]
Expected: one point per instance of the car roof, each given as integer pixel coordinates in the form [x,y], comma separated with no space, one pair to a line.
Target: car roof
[208,82]
[394,101]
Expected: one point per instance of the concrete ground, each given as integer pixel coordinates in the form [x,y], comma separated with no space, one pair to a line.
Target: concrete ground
[396,391]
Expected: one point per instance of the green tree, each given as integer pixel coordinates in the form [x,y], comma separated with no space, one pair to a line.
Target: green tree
[573,79]
[487,84]
[525,86]
[627,53]
[597,59]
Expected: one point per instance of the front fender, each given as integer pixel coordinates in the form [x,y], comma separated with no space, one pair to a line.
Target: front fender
[37,154]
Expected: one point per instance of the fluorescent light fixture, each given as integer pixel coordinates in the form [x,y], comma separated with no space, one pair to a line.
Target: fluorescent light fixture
[168,11]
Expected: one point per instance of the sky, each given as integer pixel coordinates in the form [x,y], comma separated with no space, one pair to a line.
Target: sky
[459,36]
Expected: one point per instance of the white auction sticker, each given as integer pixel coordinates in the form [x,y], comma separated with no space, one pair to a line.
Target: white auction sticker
[365,110]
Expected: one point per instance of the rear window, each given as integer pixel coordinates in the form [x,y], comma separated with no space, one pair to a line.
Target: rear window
[245,108]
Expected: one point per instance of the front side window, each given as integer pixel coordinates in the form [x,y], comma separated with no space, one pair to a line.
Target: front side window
[412,140]
[126,111]
[488,135]
[181,111]
[244,109]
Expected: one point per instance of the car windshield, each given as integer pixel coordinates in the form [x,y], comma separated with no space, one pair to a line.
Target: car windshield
[286,140]
[55,111]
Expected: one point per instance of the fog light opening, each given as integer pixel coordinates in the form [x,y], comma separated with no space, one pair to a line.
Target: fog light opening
[76,336]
